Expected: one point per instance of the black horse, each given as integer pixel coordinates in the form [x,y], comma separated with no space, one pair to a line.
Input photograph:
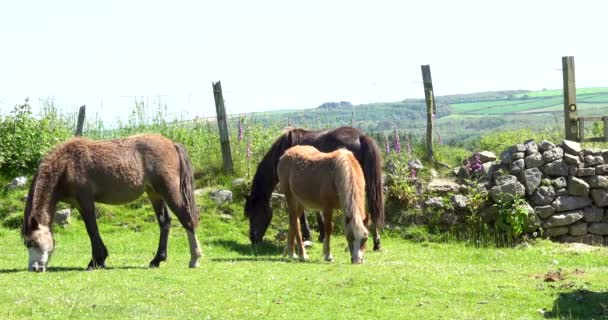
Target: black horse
[257,206]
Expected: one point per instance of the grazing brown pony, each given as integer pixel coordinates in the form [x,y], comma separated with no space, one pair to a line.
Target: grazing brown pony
[325,181]
[365,150]
[81,172]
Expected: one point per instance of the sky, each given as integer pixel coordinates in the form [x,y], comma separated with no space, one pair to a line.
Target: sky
[280,54]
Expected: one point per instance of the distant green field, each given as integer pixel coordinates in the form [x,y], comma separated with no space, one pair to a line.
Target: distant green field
[590,100]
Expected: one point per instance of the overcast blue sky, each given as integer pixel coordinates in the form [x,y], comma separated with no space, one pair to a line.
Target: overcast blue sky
[288,54]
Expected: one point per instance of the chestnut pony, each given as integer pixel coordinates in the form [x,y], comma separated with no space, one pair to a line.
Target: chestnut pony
[365,150]
[324,181]
[81,172]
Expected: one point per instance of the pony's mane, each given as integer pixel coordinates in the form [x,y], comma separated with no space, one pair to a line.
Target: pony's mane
[265,178]
[350,185]
[42,194]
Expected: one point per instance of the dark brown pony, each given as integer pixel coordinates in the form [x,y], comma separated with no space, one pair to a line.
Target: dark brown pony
[257,206]
[81,172]
[324,181]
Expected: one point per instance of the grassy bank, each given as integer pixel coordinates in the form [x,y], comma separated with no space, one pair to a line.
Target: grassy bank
[406,280]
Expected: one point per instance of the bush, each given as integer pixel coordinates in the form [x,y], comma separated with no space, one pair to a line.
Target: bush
[13,220]
[26,139]
[512,217]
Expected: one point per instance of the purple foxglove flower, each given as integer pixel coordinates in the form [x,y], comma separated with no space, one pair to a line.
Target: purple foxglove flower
[240,129]
[397,143]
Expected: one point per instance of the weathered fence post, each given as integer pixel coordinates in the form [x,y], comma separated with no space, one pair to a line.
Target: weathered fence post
[570,121]
[430,109]
[80,123]
[223,126]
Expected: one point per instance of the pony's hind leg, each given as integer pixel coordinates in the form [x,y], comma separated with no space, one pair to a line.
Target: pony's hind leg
[298,234]
[376,235]
[173,198]
[164,223]
[86,207]
[327,213]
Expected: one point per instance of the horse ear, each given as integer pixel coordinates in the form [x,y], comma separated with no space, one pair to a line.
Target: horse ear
[34,223]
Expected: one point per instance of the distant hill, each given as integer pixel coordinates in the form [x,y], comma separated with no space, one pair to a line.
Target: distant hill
[460,119]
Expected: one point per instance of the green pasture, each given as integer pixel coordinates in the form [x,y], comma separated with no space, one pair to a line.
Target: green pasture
[549,100]
[407,280]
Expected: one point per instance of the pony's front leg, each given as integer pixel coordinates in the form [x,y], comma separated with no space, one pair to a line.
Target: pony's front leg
[327,232]
[100,253]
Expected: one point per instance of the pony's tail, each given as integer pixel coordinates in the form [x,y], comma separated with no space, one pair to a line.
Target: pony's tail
[372,171]
[186,181]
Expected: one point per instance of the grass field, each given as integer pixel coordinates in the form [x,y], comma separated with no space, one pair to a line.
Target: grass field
[536,101]
[407,280]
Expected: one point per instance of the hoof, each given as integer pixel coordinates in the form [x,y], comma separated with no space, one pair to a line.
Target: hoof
[96,267]
[307,244]
[377,245]
[329,258]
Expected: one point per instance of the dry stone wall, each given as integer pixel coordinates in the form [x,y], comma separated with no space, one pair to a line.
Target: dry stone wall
[566,187]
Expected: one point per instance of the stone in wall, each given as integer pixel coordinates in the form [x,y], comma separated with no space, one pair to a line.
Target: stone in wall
[557,168]
[531,179]
[601,169]
[487,156]
[507,192]
[517,166]
[571,147]
[572,159]
[559,183]
[597,182]
[545,146]
[544,211]
[542,196]
[599,228]
[592,161]
[568,203]
[584,172]
[555,232]
[534,160]
[600,197]
[517,156]
[577,187]
[593,214]
[518,148]
[563,219]
[578,229]
[531,147]
[556,153]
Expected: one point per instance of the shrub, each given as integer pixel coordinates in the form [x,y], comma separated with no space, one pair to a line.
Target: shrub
[25,139]
[13,220]
[512,217]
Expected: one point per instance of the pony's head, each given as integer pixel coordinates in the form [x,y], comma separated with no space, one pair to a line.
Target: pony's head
[40,245]
[259,214]
[356,235]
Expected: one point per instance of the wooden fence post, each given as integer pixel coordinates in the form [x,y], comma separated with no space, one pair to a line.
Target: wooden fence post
[570,121]
[429,96]
[223,126]
[80,123]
